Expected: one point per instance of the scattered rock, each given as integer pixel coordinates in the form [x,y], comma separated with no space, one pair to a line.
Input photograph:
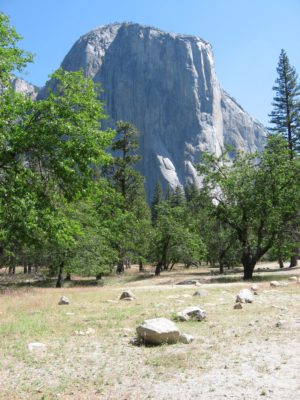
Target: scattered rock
[201,293]
[189,282]
[127,295]
[158,331]
[255,293]
[238,306]
[244,296]
[279,324]
[193,312]
[87,332]
[284,284]
[274,284]
[186,338]
[254,288]
[63,301]
[37,347]
[293,278]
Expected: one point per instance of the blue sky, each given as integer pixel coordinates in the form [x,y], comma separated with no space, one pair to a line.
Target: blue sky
[246,35]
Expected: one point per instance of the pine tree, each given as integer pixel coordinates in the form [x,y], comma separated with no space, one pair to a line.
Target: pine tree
[156,199]
[286,116]
[286,113]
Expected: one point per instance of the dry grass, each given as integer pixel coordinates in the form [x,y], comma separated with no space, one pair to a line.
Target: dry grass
[237,353]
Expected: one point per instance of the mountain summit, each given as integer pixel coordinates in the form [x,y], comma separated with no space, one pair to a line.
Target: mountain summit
[166,85]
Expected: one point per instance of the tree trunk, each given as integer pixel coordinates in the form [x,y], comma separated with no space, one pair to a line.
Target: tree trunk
[59,276]
[294,261]
[141,266]
[221,268]
[158,268]
[25,269]
[29,269]
[120,267]
[68,277]
[280,262]
[249,263]
[98,277]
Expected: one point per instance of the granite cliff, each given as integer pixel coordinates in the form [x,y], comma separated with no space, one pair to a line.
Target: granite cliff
[166,85]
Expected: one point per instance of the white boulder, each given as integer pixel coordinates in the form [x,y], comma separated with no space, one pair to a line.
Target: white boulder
[158,331]
[244,296]
[193,312]
[63,301]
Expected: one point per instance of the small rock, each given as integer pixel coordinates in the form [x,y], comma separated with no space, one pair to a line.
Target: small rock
[238,306]
[63,301]
[127,295]
[279,324]
[189,282]
[200,293]
[293,278]
[254,288]
[255,293]
[244,296]
[274,284]
[70,313]
[186,338]
[193,312]
[37,347]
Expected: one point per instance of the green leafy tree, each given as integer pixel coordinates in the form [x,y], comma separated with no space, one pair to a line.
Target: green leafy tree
[156,199]
[257,195]
[47,152]
[285,118]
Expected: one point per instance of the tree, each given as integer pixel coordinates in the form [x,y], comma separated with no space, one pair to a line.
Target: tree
[285,116]
[256,196]
[134,216]
[156,199]
[48,150]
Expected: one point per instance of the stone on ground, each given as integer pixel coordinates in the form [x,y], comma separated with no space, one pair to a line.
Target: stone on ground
[158,331]
[193,312]
[244,296]
[37,347]
[238,306]
[186,338]
[63,301]
[127,295]
[254,288]
[293,278]
[274,284]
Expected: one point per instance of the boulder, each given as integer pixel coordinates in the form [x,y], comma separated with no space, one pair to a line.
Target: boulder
[63,301]
[186,338]
[193,312]
[244,296]
[254,288]
[158,331]
[127,295]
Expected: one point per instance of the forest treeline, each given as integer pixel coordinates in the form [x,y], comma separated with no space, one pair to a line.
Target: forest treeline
[71,200]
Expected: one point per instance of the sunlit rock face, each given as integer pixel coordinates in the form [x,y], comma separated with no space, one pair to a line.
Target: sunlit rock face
[22,86]
[166,85]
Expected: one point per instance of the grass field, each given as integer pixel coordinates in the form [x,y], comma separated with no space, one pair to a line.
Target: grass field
[236,354]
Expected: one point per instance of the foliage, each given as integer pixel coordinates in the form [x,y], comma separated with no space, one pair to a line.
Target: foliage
[285,115]
[256,196]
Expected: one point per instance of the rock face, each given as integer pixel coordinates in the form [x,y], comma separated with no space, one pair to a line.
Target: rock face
[166,85]
[22,86]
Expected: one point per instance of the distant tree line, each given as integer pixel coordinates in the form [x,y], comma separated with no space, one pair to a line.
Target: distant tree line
[71,200]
